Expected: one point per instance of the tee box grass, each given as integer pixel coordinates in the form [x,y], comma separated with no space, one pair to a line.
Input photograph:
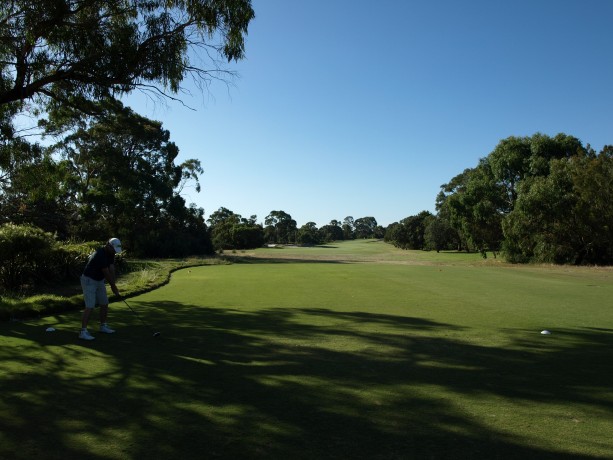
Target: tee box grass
[354,350]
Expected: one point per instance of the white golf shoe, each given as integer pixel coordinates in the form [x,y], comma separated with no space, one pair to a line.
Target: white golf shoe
[85,335]
[106,329]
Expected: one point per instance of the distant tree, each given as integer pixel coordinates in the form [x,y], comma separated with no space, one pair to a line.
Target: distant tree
[439,235]
[409,232]
[308,234]
[449,193]
[220,216]
[593,183]
[221,224]
[476,202]
[365,227]
[247,236]
[444,213]
[348,228]
[331,232]
[231,231]
[280,227]
[379,232]
[391,233]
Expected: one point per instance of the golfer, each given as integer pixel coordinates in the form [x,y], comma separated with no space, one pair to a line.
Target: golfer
[100,267]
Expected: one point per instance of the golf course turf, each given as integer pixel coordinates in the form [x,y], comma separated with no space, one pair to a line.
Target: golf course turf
[353,350]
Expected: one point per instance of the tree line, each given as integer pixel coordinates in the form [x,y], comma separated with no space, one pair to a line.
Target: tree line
[114,174]
[534,199]
[229,230]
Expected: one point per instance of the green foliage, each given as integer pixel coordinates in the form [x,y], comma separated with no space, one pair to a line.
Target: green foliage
[75,50]
[280,228]
[35,188]
[365,227]
[409,233]
[439,235]
[331,232]
[25,252]
[348,228]
[475,204]
[115,175]
[247,236]
[33,258]
[565,217]
[308,234]
[539,198]
[67,260]
[232,231]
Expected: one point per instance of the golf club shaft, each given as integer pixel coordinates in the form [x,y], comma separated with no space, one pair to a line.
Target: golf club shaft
[155,333]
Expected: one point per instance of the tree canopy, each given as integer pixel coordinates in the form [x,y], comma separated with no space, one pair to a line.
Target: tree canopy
[537,198]
[114,174]
[112,171]
[62,51]
[232,231]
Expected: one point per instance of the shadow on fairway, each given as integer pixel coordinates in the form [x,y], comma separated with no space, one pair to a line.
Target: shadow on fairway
[281,260]
[280,384]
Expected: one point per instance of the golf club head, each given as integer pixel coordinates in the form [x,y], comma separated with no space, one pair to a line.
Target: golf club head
[156,334]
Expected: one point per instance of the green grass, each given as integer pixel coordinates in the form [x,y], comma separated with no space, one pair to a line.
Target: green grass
[353,351]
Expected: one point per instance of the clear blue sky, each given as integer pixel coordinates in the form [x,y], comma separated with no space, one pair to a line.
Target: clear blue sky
[362,108]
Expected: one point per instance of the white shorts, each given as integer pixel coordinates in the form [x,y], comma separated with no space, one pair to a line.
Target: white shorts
[94,292]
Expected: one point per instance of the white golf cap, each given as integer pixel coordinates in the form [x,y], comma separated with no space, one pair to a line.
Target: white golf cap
[116,244]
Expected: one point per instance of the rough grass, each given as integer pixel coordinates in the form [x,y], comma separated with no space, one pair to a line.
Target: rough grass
[372,353]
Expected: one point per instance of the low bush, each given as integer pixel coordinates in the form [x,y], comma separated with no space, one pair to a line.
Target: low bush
[24,251]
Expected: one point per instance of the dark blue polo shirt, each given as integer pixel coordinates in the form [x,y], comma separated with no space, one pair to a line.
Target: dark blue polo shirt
[96,262]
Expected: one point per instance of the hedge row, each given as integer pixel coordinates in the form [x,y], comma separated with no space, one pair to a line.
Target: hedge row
[32,257]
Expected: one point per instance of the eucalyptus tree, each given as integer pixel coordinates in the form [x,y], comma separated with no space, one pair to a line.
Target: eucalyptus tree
[34,188]
[566,216]
[477,201]
[348,228]
[475,204]
[516,158]
[124,177]
[365,227]
[308,234]
[221,223]
[331,232]
[280,227]
[439,235]
[409,233]
[63,51]
[232,231]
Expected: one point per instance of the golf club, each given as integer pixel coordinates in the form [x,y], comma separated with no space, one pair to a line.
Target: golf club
[155,333]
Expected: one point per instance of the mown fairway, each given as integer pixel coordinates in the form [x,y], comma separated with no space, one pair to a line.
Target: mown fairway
[356,350]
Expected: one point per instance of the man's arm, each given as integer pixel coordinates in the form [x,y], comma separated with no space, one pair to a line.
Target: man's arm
[109,275]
